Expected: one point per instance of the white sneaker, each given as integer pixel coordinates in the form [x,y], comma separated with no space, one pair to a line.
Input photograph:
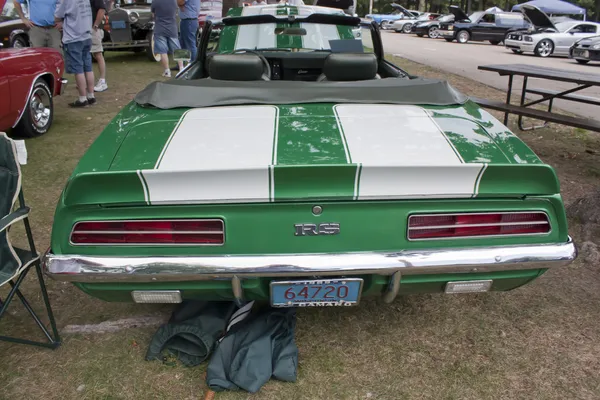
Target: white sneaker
[101,86]
[167,73]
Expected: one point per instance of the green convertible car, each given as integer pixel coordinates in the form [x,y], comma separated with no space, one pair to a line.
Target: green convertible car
[291,163]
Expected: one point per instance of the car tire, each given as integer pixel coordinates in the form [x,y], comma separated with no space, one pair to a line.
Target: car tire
[19,42]
[582,61]
[494,42]
[517,51]
[433,32]
[448,40]
[150,48]
[463,37]
[382,23]
[406,28]
[544,48]
[39,111]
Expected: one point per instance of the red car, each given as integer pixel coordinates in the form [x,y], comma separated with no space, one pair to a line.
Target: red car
[29,79]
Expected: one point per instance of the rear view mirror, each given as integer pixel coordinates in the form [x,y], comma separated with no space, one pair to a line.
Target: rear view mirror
[182,55]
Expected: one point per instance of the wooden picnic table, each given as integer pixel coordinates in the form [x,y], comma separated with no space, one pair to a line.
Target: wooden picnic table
[581,80]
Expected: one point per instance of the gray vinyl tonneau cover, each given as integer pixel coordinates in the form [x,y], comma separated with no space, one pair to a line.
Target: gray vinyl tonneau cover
[213,93]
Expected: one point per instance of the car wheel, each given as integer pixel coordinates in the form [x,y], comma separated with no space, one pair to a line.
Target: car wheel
[582,61]
[39,112]
[20,42]
[448,40]
[433,32]
[544,48]
[494,42]
[383,24]
[406,28]
[517,51]
[150,49]
[463,37]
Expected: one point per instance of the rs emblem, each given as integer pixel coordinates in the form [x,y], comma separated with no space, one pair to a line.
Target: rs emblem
[331,228]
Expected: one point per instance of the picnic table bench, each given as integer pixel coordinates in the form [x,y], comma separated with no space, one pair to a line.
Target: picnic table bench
[582,80]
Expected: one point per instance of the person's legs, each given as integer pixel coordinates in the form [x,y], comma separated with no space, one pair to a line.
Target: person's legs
[74,65]
[161,47]
[37,36]
[97,49]
[188,29]
[86,59]
[53,38]
[173,44]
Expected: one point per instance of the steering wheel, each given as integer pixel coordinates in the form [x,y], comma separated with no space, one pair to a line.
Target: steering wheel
[266,66]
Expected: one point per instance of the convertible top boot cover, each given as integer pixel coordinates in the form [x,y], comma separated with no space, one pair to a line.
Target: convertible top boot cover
[258,348]
[192,331]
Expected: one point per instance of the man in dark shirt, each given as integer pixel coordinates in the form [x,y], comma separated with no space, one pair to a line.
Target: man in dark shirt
[98,12]
[166,39]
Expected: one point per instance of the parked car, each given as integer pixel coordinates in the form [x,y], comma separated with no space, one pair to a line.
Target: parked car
[430,27]
[209,10]
[586,50]
[129,27]
[404,25]
[384,20]
[13,32]
[387,185]
[482,25]
[548,38]
[29,79]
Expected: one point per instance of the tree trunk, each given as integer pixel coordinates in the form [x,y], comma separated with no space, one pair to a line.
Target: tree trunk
[597,11]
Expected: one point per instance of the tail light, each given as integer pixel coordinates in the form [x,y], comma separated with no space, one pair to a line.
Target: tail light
[156,232]
[449,226]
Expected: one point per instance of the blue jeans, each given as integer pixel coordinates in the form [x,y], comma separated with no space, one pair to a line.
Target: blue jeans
[78,57]
[188,29]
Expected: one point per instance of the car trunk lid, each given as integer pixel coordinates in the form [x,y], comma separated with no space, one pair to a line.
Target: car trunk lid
[306,152]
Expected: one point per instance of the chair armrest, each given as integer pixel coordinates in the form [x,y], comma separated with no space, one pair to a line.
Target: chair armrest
[13,217]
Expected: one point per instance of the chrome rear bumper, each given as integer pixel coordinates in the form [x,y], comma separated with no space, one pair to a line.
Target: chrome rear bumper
[79,268]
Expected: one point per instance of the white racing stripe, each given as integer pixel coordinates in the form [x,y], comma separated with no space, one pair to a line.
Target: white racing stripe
[403,154]
[216,154]
[319,35]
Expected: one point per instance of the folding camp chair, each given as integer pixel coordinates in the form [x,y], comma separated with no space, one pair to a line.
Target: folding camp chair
[15,263]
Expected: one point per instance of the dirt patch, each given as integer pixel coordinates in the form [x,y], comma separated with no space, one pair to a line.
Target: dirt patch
[538,342]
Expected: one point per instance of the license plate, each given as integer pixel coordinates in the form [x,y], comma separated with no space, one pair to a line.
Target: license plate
[316,293]
[581,53]
[118,25]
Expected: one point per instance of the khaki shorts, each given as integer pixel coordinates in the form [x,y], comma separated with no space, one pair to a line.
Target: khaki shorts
[44,37]
[97,36]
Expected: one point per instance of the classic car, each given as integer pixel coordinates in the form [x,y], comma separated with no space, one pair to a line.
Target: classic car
[209,10]
[129,27]
[482,25]
[430,27]
[404,25]
[586,50]
[292,163]
[13,32]
[384,20]
[29,79]
[546,37]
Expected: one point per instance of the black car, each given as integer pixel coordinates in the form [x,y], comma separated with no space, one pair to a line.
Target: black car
[481,25]
[586,50]
[431,27]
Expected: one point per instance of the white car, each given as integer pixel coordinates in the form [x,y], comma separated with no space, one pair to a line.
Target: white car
[548,38]
[404,25]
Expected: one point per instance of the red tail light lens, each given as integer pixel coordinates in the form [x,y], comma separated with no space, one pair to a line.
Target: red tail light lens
[157,232]
[422,227]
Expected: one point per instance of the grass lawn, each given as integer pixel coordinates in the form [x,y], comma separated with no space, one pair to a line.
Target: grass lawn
[541,341]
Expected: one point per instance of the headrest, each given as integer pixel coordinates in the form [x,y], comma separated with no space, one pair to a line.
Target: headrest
[236,67]
[350,67]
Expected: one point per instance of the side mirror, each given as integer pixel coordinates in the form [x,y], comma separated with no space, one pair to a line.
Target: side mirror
[182,55]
